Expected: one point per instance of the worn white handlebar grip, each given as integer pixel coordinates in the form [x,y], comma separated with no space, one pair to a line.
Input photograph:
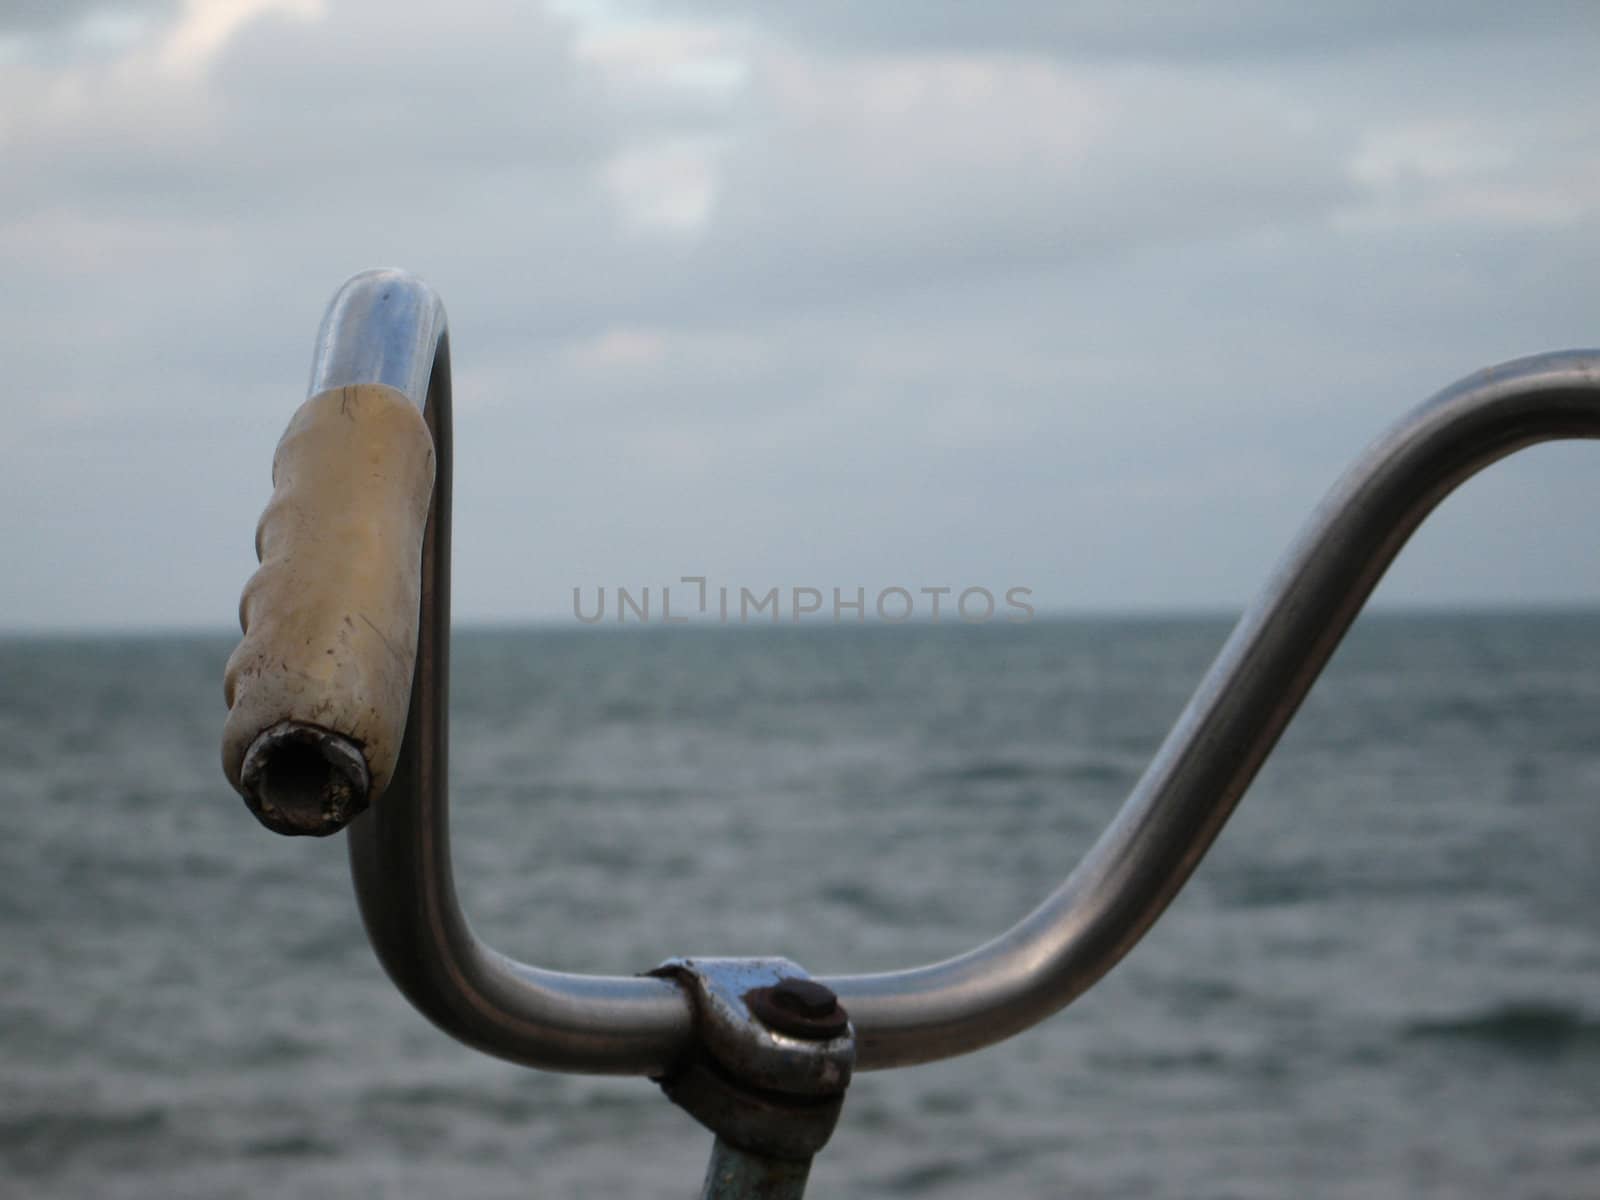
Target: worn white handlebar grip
[319,687]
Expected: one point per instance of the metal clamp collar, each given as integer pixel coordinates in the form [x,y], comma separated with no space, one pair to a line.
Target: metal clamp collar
[771,1058]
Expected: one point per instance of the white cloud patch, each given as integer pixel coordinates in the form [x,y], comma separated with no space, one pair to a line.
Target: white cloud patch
[207,26]
[982,160]
[1481,171]
[665,186]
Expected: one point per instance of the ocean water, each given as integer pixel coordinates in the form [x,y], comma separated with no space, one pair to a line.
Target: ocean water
[1384,981]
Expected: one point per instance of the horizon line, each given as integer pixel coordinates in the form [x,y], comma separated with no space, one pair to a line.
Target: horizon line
[551,624]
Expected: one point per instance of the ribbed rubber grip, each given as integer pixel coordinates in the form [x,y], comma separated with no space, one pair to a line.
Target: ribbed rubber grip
[319,687]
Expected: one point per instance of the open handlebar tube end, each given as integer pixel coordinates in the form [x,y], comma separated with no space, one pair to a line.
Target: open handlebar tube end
[302,779]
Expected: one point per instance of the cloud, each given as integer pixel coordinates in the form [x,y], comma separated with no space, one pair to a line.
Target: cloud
[148,209]
[922,167]
[728,298]
[32,17]
[1485,171]
[1163,29]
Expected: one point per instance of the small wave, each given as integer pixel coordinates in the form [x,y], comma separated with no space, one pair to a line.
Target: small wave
[1272,885]
[982,771]
[625,710]
[333,944]
[947,1103]
[1532,1028]
[1201,1059]
[1012,771]
[43,1140]
[1106,771]
[914,1181]
[292,1145]
[272,1049]
[863,902]
[512,1109]
[1002,1154]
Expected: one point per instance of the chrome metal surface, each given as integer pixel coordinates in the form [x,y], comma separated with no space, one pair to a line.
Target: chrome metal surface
[771,1094]
[387,327]
[743,1045]
[1235,717]
[735,1174]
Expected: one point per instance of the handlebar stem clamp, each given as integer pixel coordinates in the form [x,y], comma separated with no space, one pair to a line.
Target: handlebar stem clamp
[769,1060]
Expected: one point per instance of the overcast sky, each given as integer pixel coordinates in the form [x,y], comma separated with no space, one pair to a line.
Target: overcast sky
[1095,299]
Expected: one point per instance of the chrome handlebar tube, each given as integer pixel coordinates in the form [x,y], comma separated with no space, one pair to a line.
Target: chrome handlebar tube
[388,327]
[1231,723]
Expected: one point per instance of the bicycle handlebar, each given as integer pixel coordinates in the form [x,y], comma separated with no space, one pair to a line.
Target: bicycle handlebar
[388,328]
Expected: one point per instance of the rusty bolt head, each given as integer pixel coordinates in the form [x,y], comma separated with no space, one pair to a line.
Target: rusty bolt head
[806,997]
[801,1008]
